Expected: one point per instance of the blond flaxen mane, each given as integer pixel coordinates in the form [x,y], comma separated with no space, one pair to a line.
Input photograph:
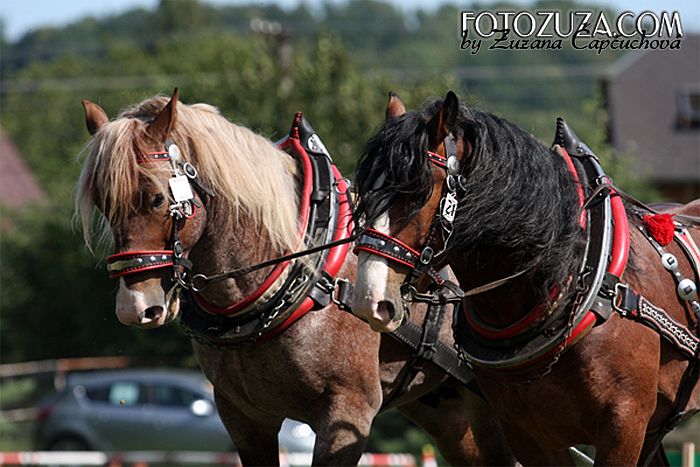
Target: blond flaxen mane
[242,168]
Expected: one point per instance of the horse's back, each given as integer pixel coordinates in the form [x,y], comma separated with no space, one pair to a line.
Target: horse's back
[691,208]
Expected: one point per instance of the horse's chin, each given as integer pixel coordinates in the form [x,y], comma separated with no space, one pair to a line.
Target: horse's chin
[380,326]
[383,321]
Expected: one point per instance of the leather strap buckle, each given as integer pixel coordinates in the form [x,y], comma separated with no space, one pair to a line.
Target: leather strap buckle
[625,300]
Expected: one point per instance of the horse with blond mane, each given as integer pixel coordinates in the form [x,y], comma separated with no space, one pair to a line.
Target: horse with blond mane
[186,195]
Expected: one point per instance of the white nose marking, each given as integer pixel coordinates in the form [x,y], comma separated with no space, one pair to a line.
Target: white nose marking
[132,304]
[372,275]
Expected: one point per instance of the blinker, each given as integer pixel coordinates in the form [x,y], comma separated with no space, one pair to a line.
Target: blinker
[173,152]
[452,165]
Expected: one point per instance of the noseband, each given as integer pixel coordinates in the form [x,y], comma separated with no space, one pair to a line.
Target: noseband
[394,250]
[183,206]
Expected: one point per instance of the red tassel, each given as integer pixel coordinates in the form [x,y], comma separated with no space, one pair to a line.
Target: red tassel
[660,227]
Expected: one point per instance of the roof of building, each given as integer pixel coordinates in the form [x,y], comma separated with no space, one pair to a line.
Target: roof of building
[643,98]
[18,186]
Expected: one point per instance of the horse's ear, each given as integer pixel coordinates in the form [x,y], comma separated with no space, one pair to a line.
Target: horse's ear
[95,116]
[161,126]
[444,120]
[395,107]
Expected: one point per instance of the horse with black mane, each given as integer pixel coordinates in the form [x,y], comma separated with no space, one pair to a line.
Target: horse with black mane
[580,315]
[190,199]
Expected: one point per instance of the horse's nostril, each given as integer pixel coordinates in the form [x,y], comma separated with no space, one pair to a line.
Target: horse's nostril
[386,307]
[152,313]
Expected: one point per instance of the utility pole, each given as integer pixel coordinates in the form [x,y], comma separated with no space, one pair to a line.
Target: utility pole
[282,40]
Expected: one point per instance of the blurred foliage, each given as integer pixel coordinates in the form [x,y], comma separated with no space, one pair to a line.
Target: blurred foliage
[56,303]
[16,390]
[16,436]
[335,64]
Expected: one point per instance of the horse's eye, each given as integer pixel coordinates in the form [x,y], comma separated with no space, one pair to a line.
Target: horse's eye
[158,201]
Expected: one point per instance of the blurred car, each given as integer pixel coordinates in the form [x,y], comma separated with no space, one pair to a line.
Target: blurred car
[145,409]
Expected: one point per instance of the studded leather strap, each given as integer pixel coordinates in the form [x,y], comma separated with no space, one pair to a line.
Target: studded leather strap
[133,262]
[377,243]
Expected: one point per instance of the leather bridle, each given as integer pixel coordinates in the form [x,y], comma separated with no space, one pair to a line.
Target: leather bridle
[183,206]
[421,262]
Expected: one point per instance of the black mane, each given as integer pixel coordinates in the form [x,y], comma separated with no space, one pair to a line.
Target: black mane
[520,197]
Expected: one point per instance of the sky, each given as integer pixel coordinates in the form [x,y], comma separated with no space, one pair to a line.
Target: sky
[21,16]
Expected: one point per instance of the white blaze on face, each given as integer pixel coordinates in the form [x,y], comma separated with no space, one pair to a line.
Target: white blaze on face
[372,278]
[144,307]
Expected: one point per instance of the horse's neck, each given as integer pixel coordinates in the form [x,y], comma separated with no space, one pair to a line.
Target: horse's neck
[230,242]
[503,305]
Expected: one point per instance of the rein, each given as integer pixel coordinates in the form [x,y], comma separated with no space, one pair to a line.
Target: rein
[200,281]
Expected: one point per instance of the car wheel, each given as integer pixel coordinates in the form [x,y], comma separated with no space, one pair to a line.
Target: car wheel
[69,444]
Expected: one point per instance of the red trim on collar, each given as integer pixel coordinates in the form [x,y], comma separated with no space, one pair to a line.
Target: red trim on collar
[619,254]
[236,307]
[336,255]
[306,306]
[343,229]
[230,310]
[621,236]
